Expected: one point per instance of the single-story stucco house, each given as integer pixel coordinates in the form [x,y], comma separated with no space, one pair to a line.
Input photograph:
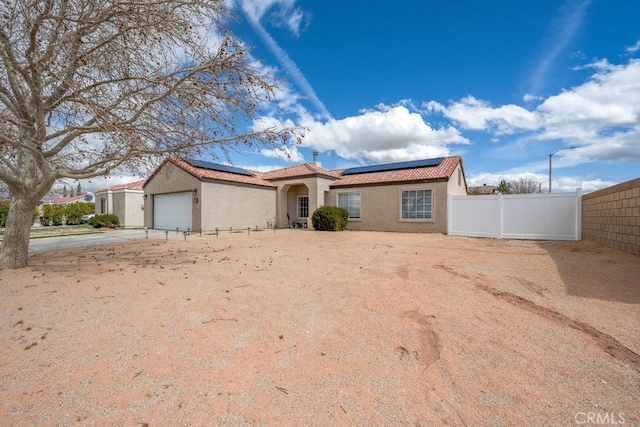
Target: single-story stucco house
[126,201]
[194,195]
[67,200]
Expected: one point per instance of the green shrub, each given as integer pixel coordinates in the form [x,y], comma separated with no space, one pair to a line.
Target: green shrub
[104,220]
[330,218]
[4,211]
[74,211]
[52,214]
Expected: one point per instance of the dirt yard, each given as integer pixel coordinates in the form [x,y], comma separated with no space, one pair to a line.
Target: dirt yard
[311,328]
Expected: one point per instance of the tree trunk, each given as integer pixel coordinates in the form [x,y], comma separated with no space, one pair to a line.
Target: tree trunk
[15,245]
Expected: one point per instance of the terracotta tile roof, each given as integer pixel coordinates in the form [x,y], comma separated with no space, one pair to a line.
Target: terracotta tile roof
[136,185]
[430,173]
[305,169]
[203,174]
[68,199]
[417,174]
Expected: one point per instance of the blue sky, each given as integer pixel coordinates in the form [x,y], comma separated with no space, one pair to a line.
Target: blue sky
[501,83]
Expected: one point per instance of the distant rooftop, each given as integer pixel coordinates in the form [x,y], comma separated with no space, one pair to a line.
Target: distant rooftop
[135,185]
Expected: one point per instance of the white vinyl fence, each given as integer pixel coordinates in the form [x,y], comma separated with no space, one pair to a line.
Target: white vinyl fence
[546,216]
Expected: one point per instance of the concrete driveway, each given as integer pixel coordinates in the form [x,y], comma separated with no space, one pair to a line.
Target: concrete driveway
[38,244]
[73,241]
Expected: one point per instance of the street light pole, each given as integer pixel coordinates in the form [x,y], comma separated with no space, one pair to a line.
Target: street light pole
[551,155]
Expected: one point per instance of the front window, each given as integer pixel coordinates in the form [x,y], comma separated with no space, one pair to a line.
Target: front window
[103,205]
[416,204]
[350,202]
[303,207]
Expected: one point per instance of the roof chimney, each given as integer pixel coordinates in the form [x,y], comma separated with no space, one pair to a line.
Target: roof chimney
[315,159]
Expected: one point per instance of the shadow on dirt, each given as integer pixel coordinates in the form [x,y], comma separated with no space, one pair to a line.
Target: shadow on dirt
[590,270]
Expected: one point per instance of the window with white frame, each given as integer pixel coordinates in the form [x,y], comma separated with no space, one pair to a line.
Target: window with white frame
[303,206]
[416,204]
[103,206]
[350,202]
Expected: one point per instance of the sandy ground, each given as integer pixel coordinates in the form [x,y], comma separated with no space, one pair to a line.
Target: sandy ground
[312,328]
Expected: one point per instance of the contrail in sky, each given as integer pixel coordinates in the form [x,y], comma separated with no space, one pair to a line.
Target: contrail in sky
[560,33]
[288,64]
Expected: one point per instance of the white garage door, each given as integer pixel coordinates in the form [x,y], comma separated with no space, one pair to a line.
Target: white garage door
[171,211]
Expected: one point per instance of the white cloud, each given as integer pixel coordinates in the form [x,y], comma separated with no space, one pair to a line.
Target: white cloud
[383,135]
[280,13]
[600,116]
[528,97]
[474,114]
[570,183]
[91,185]
[634,48]
[285,152]
[610,98]
[560,183]
[263,168]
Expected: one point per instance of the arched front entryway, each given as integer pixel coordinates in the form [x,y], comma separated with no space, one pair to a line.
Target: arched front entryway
[294,207]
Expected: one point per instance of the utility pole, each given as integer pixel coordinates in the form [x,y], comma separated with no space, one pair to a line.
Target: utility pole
[551,155]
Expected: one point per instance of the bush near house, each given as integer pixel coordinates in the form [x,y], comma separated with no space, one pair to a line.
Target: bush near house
[74,211]
[57,214]
[52,214]
[104,220]
[4,211]
[330,218]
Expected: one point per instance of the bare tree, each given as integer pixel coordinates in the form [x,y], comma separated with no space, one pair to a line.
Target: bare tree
[87,86]
[525,186]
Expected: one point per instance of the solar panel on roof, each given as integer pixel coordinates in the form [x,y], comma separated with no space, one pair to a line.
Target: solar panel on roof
[395,166]
[218,167]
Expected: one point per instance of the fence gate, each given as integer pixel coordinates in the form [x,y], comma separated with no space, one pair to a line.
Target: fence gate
[546,216]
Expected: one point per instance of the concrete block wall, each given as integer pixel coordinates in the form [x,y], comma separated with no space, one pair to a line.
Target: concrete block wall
[611,216]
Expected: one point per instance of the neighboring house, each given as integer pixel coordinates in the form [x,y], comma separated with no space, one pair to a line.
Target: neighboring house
[483,190]
[126,201]
[406,196]
[65,200]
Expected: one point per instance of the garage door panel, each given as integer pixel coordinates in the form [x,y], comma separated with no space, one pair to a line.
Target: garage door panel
[171,211]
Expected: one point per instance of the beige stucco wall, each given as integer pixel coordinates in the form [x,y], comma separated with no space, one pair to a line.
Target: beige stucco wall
[98,204]
[239,206]
[128,206]
[170,179]
[380,208]
[456,185]
[292,202]
[108,197]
